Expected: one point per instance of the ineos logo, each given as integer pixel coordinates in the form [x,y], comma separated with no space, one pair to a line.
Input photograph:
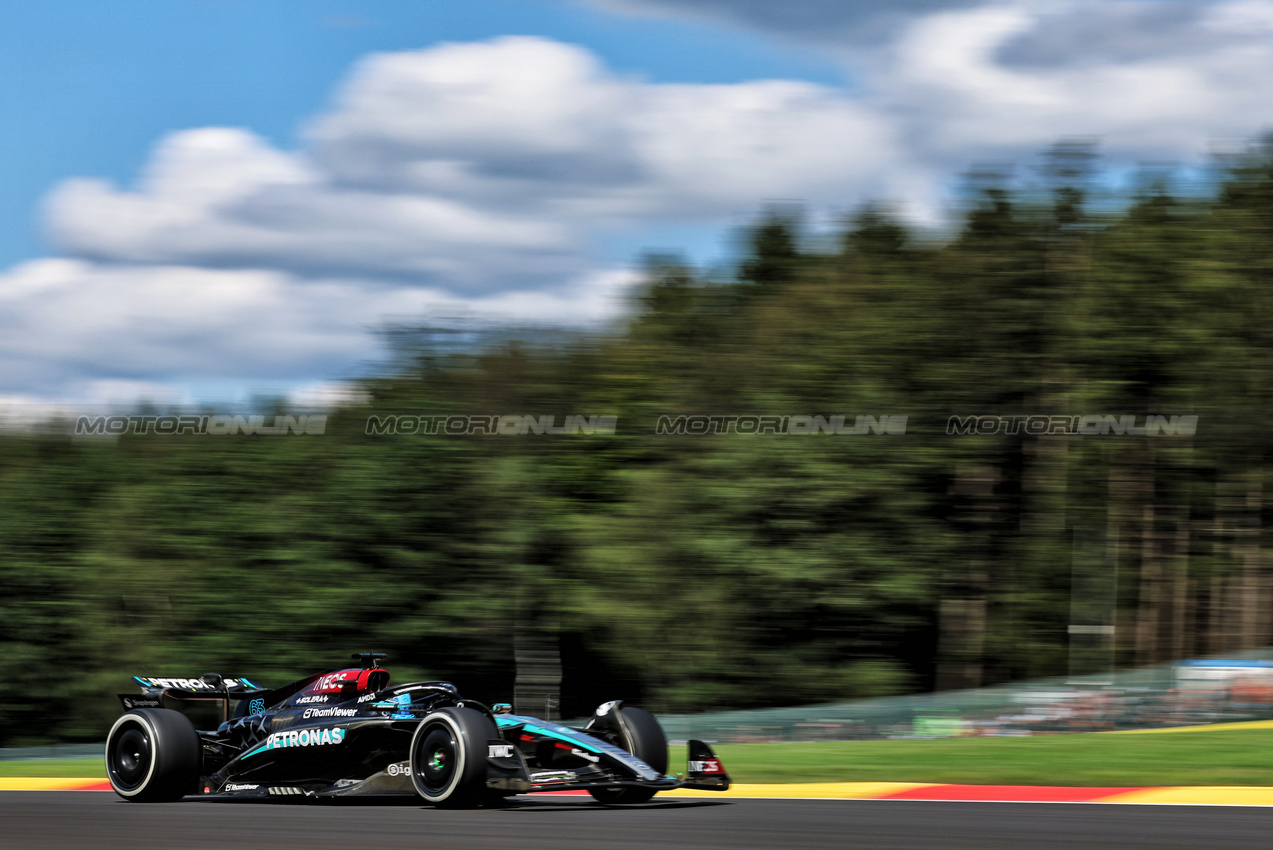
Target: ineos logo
[330,682]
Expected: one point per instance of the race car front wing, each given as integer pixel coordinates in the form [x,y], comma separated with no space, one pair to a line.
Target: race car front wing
[506,770]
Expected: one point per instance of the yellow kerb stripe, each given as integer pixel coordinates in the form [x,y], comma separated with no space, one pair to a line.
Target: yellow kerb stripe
[823,790]
[44,783]
[1214,795]
[1210,727]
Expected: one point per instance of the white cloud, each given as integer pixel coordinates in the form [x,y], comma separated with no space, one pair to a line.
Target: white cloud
[485,121]
[479,177]
[222,197]
[759,140]
[957,81]
[1244,17]
[106,332]
[539,126]
[477,168]
[966,84]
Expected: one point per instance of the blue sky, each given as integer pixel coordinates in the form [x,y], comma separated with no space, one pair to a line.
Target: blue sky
[206,199]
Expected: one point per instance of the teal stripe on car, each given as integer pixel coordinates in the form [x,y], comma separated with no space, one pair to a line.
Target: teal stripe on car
[561,733]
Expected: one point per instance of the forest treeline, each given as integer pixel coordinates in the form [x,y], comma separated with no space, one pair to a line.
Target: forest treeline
[718,570]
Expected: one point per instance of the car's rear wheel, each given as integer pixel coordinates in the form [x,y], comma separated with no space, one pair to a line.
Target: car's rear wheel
[636,731]
[448,757]
[153,755]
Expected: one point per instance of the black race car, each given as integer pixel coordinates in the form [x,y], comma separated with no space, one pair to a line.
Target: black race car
[349,732]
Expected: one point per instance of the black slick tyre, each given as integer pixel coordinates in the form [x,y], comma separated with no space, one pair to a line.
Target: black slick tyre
[448,757]
[641,735]
[153,755]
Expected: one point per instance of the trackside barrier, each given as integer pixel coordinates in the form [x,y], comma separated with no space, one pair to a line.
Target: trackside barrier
[53,751]
[1236,688]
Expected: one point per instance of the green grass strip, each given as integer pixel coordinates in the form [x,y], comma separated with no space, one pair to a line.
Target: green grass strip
[1184,758]
[94,768]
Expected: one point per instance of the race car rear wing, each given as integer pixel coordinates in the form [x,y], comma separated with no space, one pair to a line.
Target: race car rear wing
[208,682]
[209,687]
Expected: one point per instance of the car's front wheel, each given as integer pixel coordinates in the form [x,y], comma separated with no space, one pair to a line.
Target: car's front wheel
[635,730]
[153,755]
[448,756]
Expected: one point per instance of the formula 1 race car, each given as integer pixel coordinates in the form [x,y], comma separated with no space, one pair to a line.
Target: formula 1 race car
[345,733]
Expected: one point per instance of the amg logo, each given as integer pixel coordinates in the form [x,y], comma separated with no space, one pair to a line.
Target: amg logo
[706,766]
[499,751]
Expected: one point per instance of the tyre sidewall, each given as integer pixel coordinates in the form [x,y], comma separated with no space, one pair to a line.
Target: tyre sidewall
[470,729]
[175,755]
[642,736]
[645,737]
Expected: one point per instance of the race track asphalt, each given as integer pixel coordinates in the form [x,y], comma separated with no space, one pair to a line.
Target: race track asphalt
[95,819]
